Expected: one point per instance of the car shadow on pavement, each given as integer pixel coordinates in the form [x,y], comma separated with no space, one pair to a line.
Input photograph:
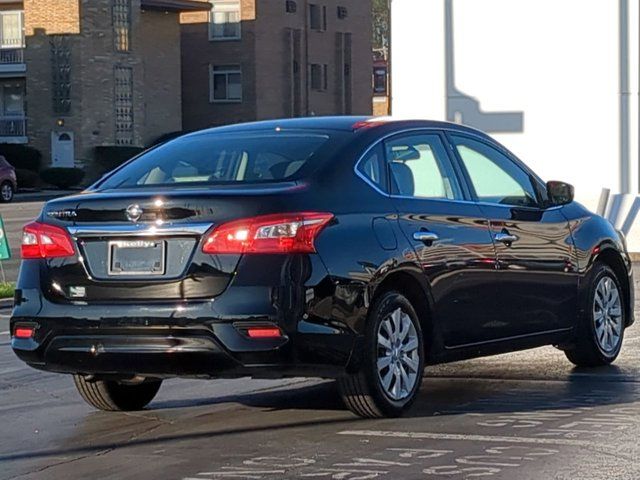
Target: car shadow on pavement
[320,396]
[439,397]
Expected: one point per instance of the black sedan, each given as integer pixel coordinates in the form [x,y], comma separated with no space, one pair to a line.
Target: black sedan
[344,248]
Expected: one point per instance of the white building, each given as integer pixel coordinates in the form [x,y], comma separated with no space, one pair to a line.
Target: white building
[556,81]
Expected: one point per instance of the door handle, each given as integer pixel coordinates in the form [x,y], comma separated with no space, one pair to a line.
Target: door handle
[506,238]
[425,237]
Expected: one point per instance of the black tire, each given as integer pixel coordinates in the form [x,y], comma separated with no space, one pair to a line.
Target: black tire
[363,392]
[113,396]
[8,188]
[586,350]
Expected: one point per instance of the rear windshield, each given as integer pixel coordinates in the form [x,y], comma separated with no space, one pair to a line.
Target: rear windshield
[221,159]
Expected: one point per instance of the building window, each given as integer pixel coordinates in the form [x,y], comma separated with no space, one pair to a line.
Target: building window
[291,6]
[12,29]
[123,77]
[121,12]
[225,83]
[12,121]
[61,74]
[319,77]
[317,17]
[343,13]
[12,100]
[224,20]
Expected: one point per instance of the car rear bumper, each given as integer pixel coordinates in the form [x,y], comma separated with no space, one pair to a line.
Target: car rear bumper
[217,349]
[206,338]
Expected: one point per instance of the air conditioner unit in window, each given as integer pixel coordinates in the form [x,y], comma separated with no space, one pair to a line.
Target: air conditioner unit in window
[342,13]
[291,6]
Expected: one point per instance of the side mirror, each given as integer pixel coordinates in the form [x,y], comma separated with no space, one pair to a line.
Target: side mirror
[560,193]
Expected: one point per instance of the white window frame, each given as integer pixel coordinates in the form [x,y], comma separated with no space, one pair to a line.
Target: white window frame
[20,15]
[230,70]
[224,6]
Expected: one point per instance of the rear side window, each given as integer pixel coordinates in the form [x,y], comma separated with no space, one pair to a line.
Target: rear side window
[373,166]
[420,167]
[221,159]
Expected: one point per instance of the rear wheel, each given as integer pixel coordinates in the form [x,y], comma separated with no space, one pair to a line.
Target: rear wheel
[601,330]
[113,395]
[391,374]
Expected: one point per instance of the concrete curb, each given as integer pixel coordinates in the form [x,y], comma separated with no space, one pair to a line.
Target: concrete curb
[6,302]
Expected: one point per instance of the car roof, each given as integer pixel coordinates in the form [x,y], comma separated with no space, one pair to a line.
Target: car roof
[339,123]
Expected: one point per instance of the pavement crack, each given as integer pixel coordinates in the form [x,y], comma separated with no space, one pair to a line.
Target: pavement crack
[64,462]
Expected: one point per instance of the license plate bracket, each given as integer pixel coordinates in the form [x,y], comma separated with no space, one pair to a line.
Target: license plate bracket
[136,257]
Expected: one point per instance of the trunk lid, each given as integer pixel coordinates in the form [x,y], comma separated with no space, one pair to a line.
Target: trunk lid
[141,245]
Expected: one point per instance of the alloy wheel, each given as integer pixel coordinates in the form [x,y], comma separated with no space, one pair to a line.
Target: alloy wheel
[607,315]
[398,359]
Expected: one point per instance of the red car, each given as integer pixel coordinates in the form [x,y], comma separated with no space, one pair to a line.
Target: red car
[8,183]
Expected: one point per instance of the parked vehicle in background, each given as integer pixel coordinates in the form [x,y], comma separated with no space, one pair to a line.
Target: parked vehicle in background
[8,181]
[346,248]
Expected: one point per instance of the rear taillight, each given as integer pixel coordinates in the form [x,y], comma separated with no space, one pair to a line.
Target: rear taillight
[40,240]
[281,233]
[24,332]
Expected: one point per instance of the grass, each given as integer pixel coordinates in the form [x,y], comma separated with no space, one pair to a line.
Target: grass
[7,289]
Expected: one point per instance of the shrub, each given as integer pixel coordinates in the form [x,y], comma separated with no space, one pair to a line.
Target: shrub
[22,156]
[27,178]
[62,177]
[109,157]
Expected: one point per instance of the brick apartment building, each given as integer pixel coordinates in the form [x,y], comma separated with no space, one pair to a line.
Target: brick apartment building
[75,74]
[258,59]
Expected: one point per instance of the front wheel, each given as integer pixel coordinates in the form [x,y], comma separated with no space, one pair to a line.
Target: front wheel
[390,377]
[113,395]
[600,332]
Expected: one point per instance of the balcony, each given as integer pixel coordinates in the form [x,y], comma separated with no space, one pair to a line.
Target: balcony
[12,59]
[13,129]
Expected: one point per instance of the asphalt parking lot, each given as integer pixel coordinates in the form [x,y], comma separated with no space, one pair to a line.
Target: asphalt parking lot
[528,415]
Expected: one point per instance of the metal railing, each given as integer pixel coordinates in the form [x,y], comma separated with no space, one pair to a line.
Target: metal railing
[13,126]
[10,56]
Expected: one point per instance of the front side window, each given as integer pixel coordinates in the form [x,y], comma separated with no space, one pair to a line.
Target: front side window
[211,159]
[224,21]
[494,176]
[225,83]
[420,167]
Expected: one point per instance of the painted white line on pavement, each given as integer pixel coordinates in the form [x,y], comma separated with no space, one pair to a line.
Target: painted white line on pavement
[471,438]
[5,333]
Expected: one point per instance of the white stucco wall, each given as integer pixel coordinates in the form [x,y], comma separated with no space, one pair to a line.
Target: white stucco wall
[556,61]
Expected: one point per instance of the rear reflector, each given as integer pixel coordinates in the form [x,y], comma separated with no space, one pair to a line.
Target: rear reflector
[281,233]
[41,240]
[264,332]
[23,332]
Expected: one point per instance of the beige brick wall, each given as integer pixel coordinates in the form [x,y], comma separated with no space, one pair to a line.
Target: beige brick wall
[52,16]
[41,120]
[264,54]
[198,53]
[162,75]
[154,57]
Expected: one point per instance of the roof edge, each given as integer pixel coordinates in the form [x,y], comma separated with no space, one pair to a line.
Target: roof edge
[176,5]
